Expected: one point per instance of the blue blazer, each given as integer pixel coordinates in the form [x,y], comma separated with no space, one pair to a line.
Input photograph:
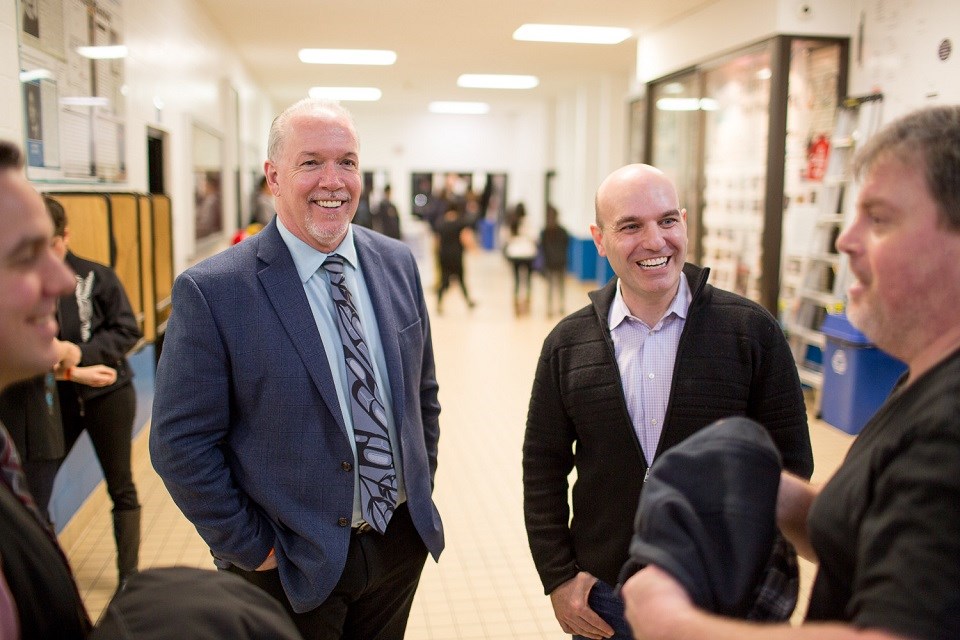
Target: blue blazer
[247,431]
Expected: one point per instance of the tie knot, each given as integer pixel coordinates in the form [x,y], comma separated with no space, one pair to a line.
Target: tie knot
[334,263]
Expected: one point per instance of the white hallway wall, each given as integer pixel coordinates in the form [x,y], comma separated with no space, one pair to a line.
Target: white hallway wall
[178,59]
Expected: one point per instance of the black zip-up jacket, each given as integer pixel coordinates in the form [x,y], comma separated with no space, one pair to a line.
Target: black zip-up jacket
[99,319]
[733,359]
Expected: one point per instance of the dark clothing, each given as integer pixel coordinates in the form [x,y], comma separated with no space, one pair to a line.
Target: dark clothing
[553,243]
[450,253]
[605,601]
[733,359]
[373,597]
[386,219]
[47,600]
[886,527]
[108,420]
[183,603]
[31,411]
[449,237]
[707,516]
[98,318]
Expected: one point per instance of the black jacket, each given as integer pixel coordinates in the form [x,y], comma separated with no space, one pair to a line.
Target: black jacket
[707,516]
[99,319]
[31,411]
[733,359]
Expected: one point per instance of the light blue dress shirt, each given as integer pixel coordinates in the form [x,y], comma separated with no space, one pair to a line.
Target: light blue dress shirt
[646,356]
[316,283]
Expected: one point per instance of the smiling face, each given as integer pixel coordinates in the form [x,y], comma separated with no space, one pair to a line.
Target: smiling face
[32,277]
[904,260]
[642,231]
[315,177]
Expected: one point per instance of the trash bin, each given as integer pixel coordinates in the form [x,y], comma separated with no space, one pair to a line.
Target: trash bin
[857,376]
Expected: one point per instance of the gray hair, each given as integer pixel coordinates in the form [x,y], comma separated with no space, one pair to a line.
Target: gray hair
[930,137]
[278,130]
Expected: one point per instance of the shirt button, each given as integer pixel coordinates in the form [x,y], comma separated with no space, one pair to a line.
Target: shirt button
[346,466]
[650,375]
[343,521]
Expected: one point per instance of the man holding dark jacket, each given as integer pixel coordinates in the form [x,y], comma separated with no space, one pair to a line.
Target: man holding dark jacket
[657,355]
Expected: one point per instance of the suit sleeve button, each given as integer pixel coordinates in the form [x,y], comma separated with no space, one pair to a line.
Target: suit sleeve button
[346,466]
[343,521]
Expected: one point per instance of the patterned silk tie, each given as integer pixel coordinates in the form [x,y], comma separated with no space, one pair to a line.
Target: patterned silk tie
[378,479]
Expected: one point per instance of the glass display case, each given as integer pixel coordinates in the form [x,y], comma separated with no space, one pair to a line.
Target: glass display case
[739,135]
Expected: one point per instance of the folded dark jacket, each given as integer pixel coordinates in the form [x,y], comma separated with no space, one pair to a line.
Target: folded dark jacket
[183,603]
[707,516]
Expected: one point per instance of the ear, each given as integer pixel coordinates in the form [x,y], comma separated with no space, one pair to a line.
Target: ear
[597,234]
[270,172]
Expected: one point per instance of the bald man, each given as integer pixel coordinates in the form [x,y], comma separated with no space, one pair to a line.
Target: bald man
[657,355]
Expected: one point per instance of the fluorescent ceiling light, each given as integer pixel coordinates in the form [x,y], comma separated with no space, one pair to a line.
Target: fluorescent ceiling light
[571,33]
[110,52]
[347,56]
[85,101]
[35,74]
[462,108]
[496,81]
[355,94]
[687,104]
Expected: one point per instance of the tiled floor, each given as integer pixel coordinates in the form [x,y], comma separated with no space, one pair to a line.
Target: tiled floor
[485,585]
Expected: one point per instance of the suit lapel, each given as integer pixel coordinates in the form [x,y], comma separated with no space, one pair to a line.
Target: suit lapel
[282,286]
[388,314]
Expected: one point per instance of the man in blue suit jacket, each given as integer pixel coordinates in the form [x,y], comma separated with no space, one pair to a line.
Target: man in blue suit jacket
[252,431]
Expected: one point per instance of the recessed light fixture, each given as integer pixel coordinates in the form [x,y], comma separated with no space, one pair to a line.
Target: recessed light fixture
[348,56]
[106,52]
[31,75]
[85,101]
[353,94]
[462,108]
[571,33]
[496,81]
[687,104]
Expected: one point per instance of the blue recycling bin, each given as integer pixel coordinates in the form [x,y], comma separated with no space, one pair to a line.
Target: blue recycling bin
[488,234]
[857,376]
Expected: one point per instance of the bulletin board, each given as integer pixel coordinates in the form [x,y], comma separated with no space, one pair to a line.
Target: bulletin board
[73,105]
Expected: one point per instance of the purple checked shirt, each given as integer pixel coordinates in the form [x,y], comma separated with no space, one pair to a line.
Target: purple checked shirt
[645,357]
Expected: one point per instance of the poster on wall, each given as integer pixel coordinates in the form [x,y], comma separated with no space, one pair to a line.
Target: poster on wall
[72,82]
[207,178]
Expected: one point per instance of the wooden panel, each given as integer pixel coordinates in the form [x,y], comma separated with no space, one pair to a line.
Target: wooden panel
[125,219]
[145,211]
[88,222]
[162,257]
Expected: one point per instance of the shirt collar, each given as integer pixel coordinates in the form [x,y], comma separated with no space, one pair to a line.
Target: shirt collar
[307,260]
[679,307]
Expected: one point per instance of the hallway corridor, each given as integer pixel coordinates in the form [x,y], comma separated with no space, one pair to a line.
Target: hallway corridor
[485,585]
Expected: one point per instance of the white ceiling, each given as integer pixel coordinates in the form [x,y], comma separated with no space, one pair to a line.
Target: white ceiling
[435,41]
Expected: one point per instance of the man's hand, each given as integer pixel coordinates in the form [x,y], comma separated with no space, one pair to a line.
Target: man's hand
[651,597]
[573,612]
